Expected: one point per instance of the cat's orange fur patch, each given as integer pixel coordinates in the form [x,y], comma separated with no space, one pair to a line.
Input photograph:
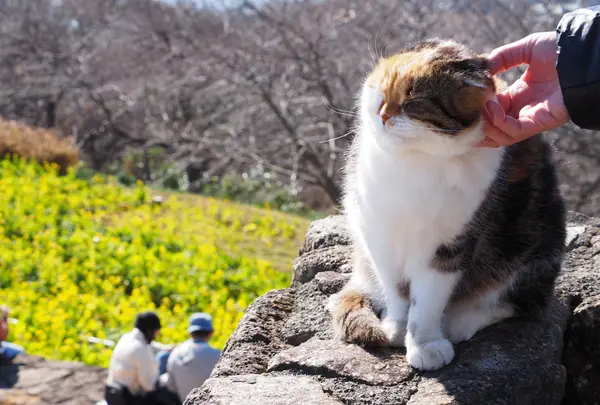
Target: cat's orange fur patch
[395,85]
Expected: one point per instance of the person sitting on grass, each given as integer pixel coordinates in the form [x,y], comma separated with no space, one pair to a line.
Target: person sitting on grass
[8,351]
[191,362]
[133,369]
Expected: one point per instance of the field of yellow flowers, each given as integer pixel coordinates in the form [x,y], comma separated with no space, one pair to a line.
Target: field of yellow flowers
[80,258]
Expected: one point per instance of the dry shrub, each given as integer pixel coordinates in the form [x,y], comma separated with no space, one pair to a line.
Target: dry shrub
[39,144]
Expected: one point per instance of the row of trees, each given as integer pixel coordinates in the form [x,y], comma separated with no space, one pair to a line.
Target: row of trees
[239,86]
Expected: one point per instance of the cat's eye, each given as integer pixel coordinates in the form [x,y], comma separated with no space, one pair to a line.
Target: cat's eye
[409,91]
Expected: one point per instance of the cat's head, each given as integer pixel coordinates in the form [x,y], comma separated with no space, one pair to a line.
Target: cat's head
[429,97]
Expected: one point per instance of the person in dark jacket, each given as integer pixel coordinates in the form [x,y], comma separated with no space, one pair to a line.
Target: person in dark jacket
[561,83]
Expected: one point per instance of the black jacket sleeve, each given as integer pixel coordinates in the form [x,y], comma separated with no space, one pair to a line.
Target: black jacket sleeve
[578,65]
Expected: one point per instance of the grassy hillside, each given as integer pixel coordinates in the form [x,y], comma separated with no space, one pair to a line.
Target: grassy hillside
[80,258]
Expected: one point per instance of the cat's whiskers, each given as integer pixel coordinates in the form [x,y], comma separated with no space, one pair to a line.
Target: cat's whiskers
[376,54]
[372,52]
[336,138]
[341,112]
[383,49]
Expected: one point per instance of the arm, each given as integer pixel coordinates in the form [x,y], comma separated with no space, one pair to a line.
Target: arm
[562,81]
[159,347]
[578,65]
[147,369]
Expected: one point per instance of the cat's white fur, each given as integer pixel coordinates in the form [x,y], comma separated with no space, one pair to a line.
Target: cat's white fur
[412,190]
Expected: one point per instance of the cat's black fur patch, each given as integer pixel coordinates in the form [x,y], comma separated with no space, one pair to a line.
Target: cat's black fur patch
[517,233]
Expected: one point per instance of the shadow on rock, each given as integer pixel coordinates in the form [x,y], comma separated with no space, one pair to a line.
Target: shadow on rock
[9,374]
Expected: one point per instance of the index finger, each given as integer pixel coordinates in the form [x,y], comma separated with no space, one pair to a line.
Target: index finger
[511,55]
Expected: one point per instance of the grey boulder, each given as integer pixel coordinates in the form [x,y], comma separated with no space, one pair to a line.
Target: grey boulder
[283,352]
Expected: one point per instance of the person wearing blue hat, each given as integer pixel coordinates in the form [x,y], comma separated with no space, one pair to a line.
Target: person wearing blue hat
[191,362]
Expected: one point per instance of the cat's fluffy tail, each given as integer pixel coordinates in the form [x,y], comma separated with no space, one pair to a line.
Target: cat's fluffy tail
[354,320]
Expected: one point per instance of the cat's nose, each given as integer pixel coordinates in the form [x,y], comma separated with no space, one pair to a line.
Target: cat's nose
[388,110]
[384,116]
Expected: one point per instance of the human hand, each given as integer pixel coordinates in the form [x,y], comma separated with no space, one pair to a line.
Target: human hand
[533,103]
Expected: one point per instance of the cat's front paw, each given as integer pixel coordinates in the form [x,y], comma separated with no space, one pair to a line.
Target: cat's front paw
[430,355]
[394,330]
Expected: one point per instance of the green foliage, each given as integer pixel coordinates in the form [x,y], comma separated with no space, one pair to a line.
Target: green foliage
[257,187]
[81,256]
[261,189]
[153,166]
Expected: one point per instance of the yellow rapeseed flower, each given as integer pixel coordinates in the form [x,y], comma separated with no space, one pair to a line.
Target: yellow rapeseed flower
[85,257]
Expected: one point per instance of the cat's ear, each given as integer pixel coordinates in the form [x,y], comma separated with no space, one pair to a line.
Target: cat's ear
[475,72]
[477,83]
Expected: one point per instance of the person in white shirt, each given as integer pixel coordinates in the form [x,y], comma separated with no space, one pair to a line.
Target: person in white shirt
[191,362]
[133,369]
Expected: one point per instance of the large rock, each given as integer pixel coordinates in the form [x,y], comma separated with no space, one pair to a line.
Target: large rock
[580,285]
[33,380]
[283,352]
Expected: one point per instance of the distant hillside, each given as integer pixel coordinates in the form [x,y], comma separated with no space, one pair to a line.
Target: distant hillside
[81,257]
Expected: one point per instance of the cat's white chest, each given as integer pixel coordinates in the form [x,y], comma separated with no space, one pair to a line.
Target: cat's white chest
[413,203]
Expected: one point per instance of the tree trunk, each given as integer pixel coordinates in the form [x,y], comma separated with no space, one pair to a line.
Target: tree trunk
[51,114]
[146,170]
[333,190]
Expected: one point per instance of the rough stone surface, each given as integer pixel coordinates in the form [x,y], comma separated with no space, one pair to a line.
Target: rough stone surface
[284,390]
[351,362]
[580,285]
[582,352]
[35,381]
[311,263]
[283,352]
[325,233]
[308,318]
[258,337]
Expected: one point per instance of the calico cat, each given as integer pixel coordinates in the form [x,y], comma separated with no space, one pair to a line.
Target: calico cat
[449,237]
